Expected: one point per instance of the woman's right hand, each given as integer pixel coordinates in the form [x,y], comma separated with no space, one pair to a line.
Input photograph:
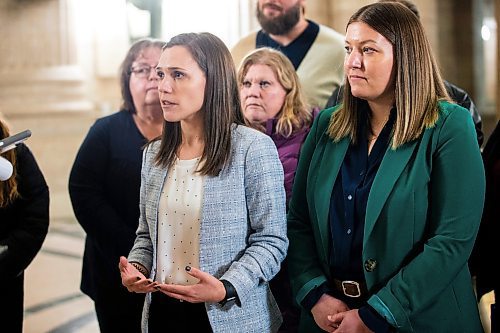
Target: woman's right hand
[134,280]
[326,306]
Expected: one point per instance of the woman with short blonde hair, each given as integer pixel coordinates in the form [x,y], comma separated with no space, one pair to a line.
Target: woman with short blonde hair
[294,114]
[273,102]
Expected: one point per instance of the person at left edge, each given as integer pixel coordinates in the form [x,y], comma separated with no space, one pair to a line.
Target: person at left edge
[24,222]
[212,231]
[104,187]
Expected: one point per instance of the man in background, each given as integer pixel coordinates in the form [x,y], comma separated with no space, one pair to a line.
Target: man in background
[316,51]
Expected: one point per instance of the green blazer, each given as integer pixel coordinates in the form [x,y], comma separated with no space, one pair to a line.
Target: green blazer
[422,217]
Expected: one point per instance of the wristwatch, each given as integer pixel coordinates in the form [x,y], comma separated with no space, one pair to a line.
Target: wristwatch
[231,295]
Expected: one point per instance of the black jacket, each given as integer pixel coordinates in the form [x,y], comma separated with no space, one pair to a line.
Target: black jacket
[485,253]
[104,188]
[23,227]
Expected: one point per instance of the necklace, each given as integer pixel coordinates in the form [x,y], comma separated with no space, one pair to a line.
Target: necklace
[371,132]
[371,135]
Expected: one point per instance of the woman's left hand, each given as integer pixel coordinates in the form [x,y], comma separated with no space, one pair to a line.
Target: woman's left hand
[348,322]
[208,289]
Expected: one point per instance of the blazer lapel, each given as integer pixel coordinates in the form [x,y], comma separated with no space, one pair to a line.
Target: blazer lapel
[329,166]
[391,167]
[152,194]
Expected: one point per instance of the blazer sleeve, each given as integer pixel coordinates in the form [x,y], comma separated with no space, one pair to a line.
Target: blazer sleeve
[265,195]
[455,204]
[31,214]
[142,251]
[304,264]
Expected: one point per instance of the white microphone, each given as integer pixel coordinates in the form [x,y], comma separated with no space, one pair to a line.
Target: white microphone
[5,169]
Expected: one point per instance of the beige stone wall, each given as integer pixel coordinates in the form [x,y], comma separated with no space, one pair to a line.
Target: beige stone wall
[43,88]
[58,72]
[333,13]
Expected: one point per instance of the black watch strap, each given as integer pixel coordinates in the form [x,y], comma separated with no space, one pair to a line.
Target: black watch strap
[231,294]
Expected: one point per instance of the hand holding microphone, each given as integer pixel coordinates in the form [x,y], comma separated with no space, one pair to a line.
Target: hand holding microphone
[7,144]
[11,141]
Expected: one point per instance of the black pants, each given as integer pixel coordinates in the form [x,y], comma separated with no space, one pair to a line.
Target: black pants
[118,310]
[11,304]
[167,314]
[282,292]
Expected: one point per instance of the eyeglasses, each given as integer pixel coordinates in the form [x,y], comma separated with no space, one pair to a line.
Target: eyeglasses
[143,72]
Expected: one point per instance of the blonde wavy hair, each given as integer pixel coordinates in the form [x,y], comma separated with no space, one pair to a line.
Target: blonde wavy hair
[295,113]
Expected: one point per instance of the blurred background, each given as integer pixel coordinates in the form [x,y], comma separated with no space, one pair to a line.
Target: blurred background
[59,64]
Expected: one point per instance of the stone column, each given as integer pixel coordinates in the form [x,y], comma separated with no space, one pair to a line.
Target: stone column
[42,88]
[38,60]
[334,14]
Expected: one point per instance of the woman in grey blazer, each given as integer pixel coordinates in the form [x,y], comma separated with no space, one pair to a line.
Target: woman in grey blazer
[212,230]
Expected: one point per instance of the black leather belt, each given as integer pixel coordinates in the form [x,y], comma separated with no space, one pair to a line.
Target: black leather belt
[351,288]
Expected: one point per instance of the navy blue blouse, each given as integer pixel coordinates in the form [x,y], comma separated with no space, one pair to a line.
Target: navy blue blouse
[347,217]
[348,201]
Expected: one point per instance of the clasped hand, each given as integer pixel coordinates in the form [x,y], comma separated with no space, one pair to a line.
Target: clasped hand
[208,288]
[333,315]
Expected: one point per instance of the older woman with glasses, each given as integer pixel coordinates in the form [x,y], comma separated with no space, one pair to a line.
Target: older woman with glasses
[104,187]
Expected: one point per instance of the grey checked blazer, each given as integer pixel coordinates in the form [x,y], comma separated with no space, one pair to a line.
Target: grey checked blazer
[243,230]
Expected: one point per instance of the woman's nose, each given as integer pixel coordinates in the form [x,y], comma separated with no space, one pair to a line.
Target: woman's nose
[353,60]
[253,89]
[164,85]
[153,75]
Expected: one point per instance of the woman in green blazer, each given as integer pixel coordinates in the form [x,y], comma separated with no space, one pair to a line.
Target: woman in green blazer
[388,193]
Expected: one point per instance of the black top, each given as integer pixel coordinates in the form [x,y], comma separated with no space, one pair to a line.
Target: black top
[24,223]
[485,252]
[349,198]
[296,50]
[347,218]
[104,188]
[23,227]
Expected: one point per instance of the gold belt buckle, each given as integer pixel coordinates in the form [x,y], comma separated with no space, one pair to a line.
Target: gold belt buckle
[351,288]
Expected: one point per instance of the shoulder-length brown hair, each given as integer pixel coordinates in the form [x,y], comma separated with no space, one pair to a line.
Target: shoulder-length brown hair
[126,69]
[221,104]
[294,114]
[418,85]
[8,188]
